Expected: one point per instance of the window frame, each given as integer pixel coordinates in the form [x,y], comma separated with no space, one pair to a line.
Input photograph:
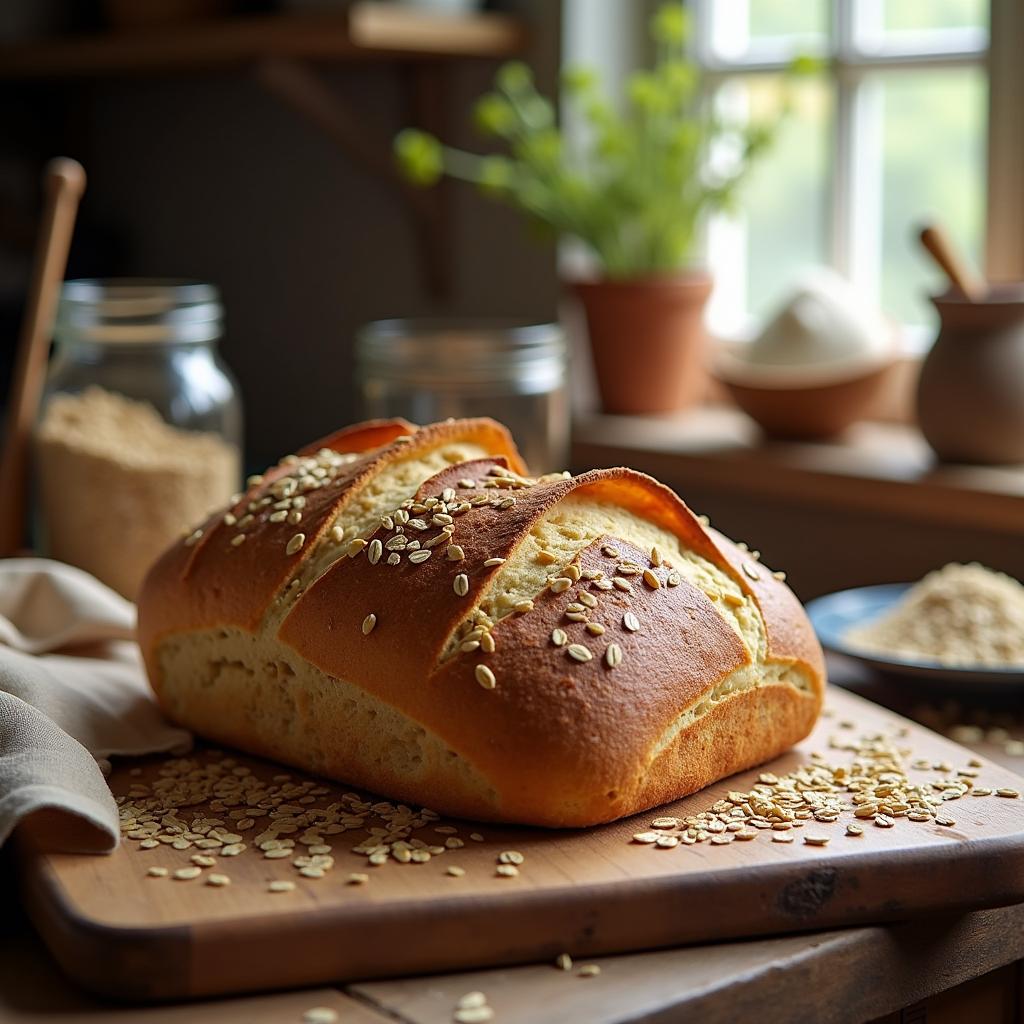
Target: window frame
[848,65]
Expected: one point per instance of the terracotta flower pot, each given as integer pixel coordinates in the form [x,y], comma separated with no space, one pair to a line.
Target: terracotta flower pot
[647,339]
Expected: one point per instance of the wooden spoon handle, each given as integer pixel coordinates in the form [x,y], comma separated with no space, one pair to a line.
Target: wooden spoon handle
[64,182]
[940,247]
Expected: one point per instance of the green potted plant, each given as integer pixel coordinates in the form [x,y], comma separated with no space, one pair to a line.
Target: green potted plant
[634,192]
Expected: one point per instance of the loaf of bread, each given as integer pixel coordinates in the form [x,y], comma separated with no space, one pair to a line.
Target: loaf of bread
[404,610]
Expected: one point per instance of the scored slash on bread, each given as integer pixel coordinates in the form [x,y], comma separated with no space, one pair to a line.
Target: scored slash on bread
[456,696]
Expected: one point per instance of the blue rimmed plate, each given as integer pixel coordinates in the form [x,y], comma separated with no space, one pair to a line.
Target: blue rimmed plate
[834,615]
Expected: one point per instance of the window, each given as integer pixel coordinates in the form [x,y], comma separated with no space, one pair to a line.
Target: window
[893,131]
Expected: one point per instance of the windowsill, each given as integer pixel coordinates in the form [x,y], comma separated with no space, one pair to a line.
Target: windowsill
[881,468]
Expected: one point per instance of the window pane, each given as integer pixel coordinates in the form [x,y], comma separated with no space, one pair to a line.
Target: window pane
[781,223]
[933,167]
[920,26]
[767,29]
[917,15]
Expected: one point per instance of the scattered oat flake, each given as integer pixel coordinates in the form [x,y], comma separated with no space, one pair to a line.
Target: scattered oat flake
[155,872]
[473,1015]
[320,1015]
[472,1008]
[281,886]
[588,971]
[563,962]
[217,880]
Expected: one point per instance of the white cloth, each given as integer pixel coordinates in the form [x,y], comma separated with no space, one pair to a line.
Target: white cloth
[72,694]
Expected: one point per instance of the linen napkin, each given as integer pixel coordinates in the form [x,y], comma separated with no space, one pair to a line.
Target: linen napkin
[72,694]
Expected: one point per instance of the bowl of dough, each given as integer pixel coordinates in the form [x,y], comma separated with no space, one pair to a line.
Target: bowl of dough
[818,364]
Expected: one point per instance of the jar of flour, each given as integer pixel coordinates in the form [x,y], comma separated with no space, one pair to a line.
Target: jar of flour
[139,435]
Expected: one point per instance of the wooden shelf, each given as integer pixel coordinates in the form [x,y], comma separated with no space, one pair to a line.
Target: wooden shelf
[364,32]
[879,468]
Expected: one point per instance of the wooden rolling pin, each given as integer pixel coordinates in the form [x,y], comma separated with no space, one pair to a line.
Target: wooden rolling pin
[64,183]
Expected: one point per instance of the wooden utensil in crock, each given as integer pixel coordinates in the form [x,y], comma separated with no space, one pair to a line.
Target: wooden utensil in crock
[940,247]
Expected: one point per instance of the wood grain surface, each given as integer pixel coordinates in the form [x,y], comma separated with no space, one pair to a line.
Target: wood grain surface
[32,991]
[834,977]
[589,892]
[838,977]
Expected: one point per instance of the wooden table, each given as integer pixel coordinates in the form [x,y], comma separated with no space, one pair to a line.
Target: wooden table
[936,971]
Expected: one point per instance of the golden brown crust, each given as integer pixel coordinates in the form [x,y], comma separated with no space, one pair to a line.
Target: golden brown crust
[791,636]
[213,583]
[562,742]
[551,721]
[737,734]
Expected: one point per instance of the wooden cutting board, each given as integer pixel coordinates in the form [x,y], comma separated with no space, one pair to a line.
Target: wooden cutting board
[120,932]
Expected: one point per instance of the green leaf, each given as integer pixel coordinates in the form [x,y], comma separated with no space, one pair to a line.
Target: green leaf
[537,112]
[494,115]
[679,78]
[514,77]
[496,174]
[670,24]
[579,81]
[419,156]
[646,93]
[599,113]
[758,137]
[613,141]
[541,148]
[805,65]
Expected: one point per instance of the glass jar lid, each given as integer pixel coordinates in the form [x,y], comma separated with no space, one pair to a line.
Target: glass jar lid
[450,353]
[132,311]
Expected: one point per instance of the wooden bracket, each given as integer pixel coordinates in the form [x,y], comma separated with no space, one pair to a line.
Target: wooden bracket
[297,85]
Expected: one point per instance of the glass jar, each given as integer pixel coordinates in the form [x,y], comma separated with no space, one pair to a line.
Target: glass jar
[429,370]
[140,428]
